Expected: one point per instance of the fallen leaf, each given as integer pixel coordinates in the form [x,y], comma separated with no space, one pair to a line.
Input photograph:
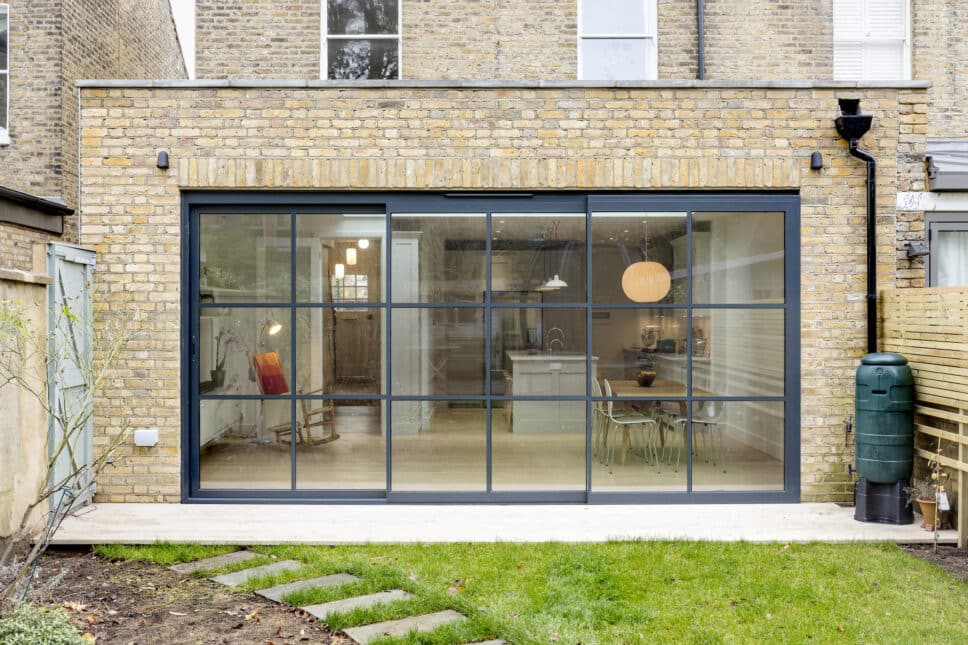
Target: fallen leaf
[840,628]
[237,626]
[282,634]
[769,616]
[88,638]
[92,618]
[554,637]
[112,612]
[451,591]
[252,615]
[75,606]
[177,613]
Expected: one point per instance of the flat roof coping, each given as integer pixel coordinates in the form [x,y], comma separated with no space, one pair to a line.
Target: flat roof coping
[508,84]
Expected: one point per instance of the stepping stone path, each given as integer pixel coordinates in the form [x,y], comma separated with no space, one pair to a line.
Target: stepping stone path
[362,634]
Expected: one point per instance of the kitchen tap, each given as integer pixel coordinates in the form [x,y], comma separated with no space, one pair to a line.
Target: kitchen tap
[560,339]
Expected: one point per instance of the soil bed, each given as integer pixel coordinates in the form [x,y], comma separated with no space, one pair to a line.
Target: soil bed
[140,603]
[949,557]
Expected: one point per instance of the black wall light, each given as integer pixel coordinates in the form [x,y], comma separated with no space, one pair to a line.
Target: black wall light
[162,160]
[816,161]
[917,249]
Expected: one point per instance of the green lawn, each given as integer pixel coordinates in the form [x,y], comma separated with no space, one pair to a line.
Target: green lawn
[637,592]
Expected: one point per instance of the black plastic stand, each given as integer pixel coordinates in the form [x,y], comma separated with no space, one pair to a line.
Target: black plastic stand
[882,503]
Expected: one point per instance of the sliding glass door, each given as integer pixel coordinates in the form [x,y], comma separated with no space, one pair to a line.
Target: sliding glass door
[472,347]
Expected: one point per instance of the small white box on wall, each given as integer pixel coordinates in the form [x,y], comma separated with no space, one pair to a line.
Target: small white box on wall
[146,437]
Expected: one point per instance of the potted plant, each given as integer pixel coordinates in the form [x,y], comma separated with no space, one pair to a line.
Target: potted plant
[223,340]
[924,492]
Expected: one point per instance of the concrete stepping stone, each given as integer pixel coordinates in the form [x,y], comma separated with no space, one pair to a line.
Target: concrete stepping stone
[424,623]
[276,593]
[214,563]
[323,610]
[236,578]
[496,641]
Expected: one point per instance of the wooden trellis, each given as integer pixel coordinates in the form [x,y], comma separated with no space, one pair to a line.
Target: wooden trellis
[930,328]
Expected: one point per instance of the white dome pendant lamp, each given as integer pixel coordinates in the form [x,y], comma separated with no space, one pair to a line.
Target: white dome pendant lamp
[646,281]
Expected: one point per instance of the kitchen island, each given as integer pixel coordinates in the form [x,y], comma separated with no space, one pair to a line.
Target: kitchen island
[551,375]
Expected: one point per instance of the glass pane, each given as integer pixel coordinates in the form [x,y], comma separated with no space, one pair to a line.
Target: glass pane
[885,61]
[538,445]
[438,351]
[3,101]
[339,258]
[647,345]
[613,17]
[340,444]
[362,16]
[737,257]
[638,445]
[737,445]
[653,244]
[363,59]
[539,254]
[244,258]
[738,352]
[538,352]
[340,351]
[615,59]
[439,445]
[4,35]
[245,444]
[244,351]
[441,258]
[950,254]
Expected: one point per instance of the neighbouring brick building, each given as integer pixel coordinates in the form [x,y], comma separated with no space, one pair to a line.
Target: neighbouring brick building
[423,251]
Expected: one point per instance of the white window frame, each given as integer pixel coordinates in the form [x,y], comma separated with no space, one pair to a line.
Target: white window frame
[650,34]
[906,47]
[5,126]
[324,38]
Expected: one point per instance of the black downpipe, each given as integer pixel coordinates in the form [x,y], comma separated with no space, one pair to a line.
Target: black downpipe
[701,31]
[852,125]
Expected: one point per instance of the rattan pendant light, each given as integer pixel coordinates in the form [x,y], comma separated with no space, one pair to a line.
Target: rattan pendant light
[646,281]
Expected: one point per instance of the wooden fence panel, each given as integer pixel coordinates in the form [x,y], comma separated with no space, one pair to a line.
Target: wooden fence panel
[930,328]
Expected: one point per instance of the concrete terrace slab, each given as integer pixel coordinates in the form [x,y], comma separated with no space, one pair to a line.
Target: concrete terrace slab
[389,524]
[424,623]
[323,610]
[214,563]
[236,578]
[276,593]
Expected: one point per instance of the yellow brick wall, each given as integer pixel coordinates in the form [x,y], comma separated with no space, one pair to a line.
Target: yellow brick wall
[483,139]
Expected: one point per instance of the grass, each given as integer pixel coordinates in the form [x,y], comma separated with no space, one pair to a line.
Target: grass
[634,592]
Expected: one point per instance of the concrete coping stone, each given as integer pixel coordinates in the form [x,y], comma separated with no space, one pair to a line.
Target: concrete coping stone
[501,84]
[423,623]
[27,277]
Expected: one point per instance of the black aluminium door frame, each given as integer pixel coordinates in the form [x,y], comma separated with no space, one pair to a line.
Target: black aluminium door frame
[283,202]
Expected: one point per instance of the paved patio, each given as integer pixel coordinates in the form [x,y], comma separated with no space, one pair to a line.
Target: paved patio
[356,524]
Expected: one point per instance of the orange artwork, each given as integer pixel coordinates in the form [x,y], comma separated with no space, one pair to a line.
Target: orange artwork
[269,374]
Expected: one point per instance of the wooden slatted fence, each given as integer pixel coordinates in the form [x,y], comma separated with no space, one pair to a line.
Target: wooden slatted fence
[930,328]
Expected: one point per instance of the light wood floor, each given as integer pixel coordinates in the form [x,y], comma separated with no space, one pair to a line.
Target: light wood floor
[450,456]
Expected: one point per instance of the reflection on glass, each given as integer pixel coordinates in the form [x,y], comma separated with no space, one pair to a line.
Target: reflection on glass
[638,445]
[615,59]
[339,258]
[244,351]
[538,445]
[444,258]
[444,451]
[438,351]
[613,17]
[738,257]
[244,258]
[361,16]
[339,350]
[355,459]
[743,353]
[737,445]
[244,444]
[363,59]
[539,254]
[647,345]
[653,244]
[538,352]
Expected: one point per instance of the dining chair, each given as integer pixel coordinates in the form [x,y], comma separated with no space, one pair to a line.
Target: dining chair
[707,420]
[627,421]
[672,425]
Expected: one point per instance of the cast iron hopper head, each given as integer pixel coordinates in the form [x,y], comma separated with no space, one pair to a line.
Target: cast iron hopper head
[851,124]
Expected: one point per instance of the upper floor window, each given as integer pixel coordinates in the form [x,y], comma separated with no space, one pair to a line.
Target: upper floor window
[4,70]
[617,40]
[360,39]
[871,40]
